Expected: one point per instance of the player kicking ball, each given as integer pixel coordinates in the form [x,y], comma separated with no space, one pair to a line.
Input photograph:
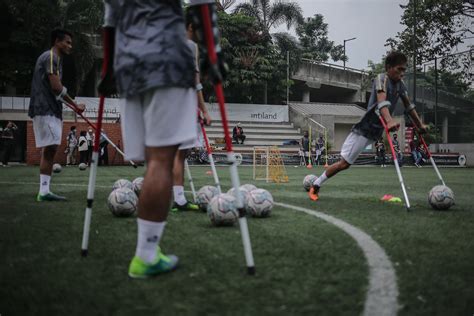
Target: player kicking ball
[386,90]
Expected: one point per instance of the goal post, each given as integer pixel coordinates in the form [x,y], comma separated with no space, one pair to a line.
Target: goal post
[268,165]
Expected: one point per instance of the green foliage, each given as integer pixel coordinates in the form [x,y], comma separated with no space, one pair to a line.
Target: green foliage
[313,36]
[269,15]
[440,27]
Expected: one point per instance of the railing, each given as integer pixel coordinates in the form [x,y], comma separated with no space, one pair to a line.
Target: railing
[315,62]
[21,105]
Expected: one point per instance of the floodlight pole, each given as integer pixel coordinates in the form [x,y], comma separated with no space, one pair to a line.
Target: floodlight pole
[414,51]
[344,59]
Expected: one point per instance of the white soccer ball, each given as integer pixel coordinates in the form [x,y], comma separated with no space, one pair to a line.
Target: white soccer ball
[82,166]
[204,195]
[441,197]
[137,185]
[248,187]
[308,181]
[260,203]
[122,202]
[122,183]
[222,210]
[245,196]
[57,168]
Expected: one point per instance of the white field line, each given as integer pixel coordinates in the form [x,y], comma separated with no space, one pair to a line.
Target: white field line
[56,184]
[382,294]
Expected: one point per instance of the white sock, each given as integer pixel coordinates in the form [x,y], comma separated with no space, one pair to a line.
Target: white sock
[320,180]
[44,184]
[178,192]
[149,235]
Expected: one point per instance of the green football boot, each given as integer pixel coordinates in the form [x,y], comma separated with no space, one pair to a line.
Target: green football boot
[141,270]
[50,197]
[189,206]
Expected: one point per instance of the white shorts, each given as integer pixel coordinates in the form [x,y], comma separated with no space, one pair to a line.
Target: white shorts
[158,118]
[353,146]
[197,142]
[48,130]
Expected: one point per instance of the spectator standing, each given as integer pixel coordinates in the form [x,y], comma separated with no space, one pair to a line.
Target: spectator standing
[305,147]
[396,146]
[380,147]
[71,144]
[415,153]
[90,144]
[83,148]
[8,139]
[103,150]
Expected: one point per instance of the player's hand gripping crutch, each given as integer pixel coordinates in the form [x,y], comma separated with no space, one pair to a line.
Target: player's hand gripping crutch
[108,40]
[209,154]
[75,109]
[205,25]
[395,161]
[420,137]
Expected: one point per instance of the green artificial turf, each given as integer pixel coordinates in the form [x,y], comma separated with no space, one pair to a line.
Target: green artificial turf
[305,266]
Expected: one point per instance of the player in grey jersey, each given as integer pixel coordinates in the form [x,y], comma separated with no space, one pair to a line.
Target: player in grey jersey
[155,76]
[47,96]
[386,90]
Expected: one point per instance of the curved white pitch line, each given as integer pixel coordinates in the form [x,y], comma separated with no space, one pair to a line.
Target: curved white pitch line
[382,295]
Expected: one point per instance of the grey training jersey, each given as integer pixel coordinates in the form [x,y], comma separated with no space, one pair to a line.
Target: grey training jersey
[43,101]
[370,126]
[151,49]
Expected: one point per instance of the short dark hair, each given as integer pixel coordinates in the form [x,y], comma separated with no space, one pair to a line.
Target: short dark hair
[73,128]
[59,34]
[395,58]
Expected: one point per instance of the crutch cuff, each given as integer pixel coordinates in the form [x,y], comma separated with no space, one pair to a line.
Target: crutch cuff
[381,105]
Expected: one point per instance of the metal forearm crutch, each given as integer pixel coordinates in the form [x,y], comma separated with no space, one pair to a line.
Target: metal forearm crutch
[395,160]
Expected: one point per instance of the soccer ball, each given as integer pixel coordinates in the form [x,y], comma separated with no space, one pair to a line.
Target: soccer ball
[122,202]
[57,168]
[82,166]
[248,187]
[205,195]
[222,210]
[137,185]
[441,197]
[245,195]
[260,203]
[308,181]
[122,183]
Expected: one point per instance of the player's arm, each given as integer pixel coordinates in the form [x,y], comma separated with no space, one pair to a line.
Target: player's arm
[107,85]
[411,110]
[382,107]
[383,104]
[201,104]
[61,94]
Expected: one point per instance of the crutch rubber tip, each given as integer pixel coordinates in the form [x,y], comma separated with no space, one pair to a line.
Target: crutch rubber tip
[84,252]
[251,270]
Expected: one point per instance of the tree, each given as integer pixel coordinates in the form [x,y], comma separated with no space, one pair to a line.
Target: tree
[440,27]
[223,5]
[270,15]
[313,36]
[26,34]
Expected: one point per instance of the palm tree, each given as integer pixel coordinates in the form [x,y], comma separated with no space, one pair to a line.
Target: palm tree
[271,15]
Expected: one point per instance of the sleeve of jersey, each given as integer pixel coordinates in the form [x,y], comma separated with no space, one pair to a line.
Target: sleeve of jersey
[380,83]
[403,89]
[52,64]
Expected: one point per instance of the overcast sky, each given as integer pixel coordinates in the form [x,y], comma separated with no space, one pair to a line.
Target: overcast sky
[370,21]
